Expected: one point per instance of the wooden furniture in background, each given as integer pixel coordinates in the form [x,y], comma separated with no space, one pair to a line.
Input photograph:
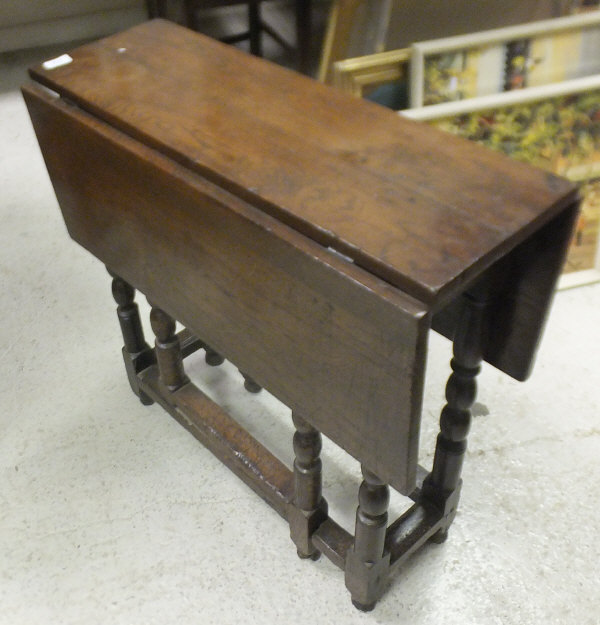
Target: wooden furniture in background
[256,25]
[313,240]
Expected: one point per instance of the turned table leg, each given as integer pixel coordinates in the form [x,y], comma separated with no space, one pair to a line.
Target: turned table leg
[212,358]
[250,385]
[137,354]
[308,509]
[442,485]
[168,350]
[367,562]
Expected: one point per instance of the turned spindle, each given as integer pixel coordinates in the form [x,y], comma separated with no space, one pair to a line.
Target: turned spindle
[442,485]
[367,563]
[309,509]
[371,517]
[137,354]
[129,316]
[307,465]
[168,350]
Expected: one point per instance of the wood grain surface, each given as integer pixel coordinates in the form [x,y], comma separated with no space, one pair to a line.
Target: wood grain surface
[424,211]
[340,347]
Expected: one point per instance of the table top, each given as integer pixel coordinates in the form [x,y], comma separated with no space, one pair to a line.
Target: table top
[423,210]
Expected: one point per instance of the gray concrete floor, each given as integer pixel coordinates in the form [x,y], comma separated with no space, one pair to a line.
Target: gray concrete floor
[112,513]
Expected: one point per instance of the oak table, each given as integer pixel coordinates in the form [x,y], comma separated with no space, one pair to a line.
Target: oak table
[313,240]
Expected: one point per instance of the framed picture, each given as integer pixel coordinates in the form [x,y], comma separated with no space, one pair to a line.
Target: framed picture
[504,59]
[355,28]
[555,127]
[361,75]
[363,27]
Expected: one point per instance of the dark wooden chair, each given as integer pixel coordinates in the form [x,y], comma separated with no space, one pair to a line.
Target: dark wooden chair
[256,25]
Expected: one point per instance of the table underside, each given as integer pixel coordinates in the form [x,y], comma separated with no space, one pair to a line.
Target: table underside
[266,475]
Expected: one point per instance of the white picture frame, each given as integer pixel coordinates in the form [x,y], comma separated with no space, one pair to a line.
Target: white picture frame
[490,46]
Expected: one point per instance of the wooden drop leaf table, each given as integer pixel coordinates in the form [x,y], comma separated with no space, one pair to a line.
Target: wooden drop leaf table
[313,240]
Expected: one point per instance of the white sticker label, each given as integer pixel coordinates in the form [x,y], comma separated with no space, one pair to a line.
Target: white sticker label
[59,61]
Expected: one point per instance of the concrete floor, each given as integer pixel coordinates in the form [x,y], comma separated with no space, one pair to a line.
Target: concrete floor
[112,513]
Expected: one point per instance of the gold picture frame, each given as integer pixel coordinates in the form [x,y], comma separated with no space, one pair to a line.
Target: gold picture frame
[356,76]
[355,28]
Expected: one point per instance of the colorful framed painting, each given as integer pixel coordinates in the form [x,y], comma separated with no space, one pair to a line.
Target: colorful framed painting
[361,75]
[489,62]
[555,127]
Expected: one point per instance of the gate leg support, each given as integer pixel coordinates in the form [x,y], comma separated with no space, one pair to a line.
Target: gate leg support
[137,354]
[168,350]
[367,565]
[308,508]
[442,486]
